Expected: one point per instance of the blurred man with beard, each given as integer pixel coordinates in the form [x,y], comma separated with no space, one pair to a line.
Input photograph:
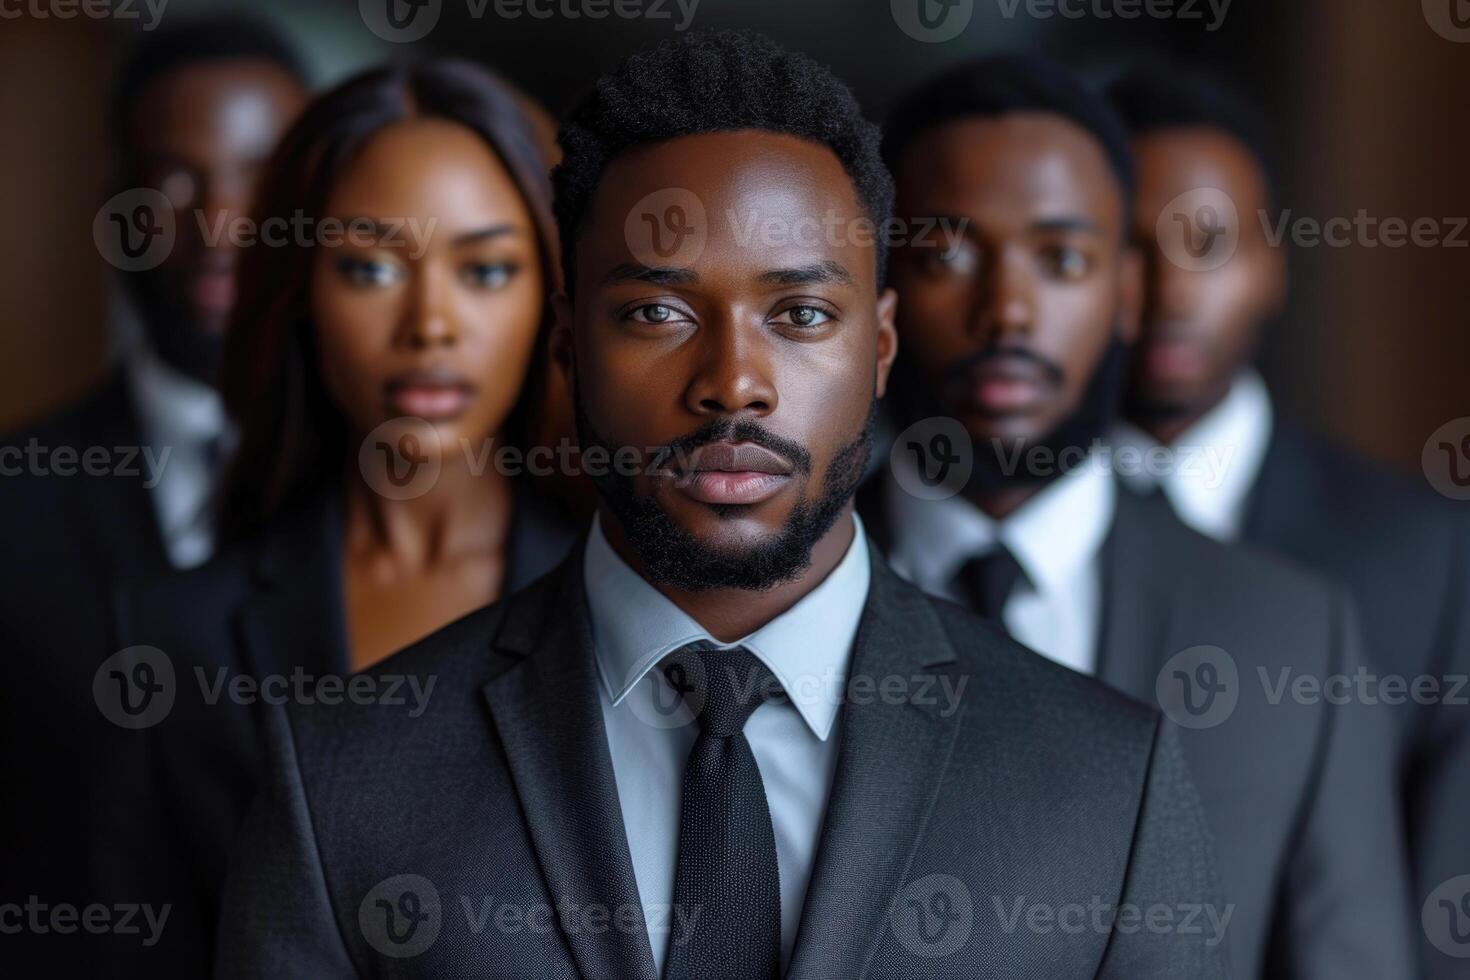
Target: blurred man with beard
[1399,550]
[196,112]
[1000,496]
[723,739]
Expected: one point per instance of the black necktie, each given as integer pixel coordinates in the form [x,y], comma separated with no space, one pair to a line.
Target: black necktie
[727,849]
[988,580]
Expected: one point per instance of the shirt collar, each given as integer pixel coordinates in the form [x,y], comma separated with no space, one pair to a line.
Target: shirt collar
[1053,535]
[808,647]
[175,409]
[1213,464]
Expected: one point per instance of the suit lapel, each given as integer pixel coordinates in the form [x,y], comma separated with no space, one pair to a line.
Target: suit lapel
[548,716]
[1141,598]
[891,762]
[294,616]
[1287,477]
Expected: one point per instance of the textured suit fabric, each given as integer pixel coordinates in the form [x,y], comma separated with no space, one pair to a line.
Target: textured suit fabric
[1034,786]
[271,610]
[1297,793]
[1404,554]
[69,537]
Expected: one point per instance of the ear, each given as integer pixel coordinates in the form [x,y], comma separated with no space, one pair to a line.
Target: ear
[560,341]
[887,338]
[1130,293]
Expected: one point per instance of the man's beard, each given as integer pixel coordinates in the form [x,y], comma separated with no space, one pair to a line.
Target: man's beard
[671,556]
[1143,406]
[998,466]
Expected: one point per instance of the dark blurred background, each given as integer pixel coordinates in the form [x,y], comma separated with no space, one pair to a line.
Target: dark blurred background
[1367,101]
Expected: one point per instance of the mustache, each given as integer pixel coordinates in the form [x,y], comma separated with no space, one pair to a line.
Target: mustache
[959,371]
[735,430]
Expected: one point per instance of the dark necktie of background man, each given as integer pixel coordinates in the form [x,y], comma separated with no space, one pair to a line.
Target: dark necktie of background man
[988,581]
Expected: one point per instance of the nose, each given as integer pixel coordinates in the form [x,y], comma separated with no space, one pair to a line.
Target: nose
[429,319]
[1004,303]
[1171,291]
[732,373]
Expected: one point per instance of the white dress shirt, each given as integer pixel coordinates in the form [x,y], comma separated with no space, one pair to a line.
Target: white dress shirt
[183,417]
[1209,470]
[808,648]
[1056,538]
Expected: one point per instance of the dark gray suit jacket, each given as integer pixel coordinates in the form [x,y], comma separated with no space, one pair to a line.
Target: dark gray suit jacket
[1298,795]
[68,540]
[265,610]
[986,841]
[1404,553]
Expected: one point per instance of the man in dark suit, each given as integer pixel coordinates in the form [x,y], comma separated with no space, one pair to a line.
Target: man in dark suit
[1000,495]
[723,739]
[112,487]
[1400,550]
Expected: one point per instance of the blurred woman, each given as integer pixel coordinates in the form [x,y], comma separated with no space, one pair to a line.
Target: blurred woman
[377,371]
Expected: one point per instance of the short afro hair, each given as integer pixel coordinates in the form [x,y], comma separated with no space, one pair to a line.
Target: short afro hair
[221,37]
[1005,85]
[711,83]
[1159,97]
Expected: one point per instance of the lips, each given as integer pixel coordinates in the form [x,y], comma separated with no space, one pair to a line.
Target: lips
[1007,386]
[213,290]
[432,395]
[1169,358]
[725,473]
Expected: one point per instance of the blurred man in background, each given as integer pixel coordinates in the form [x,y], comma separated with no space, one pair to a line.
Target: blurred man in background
[197,112]
[1013,338]
[1204,214]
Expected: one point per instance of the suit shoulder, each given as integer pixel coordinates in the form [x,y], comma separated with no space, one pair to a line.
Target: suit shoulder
[1082,706]
[450,665]
[181,601]
[1360,493]
[74,422]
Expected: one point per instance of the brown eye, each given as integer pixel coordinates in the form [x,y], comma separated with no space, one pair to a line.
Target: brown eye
[653,313]
[804,316]
[488,275]
[959,259]
[364,272]
[1065,262]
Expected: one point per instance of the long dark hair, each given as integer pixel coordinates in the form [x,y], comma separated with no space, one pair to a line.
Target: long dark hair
[291,436]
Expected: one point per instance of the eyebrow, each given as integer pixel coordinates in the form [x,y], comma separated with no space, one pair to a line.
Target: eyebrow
[482,234]
[820,273]
[657,275]
[397,228]
[1065,224]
